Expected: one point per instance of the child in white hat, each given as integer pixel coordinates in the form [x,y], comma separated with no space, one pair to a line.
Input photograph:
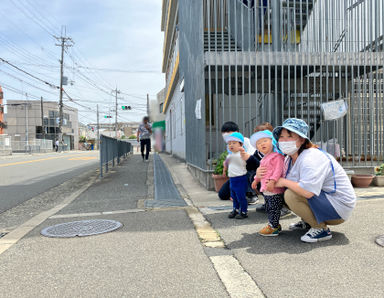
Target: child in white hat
[273,161]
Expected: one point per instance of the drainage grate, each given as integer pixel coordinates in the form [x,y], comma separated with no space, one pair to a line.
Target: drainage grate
[81,228]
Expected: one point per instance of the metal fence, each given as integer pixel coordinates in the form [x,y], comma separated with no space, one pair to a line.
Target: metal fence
[32,146]
[5,145]
[268,60]
[111,149]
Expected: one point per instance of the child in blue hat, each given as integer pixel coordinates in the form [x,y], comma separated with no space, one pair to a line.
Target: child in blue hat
[237,176]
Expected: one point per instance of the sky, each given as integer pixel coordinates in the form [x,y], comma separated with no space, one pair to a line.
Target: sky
[116,44]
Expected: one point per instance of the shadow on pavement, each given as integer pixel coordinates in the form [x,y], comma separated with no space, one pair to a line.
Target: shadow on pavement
[288,242]
[220,220]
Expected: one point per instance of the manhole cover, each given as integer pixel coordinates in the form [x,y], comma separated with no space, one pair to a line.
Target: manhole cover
[380,240]
[81,228]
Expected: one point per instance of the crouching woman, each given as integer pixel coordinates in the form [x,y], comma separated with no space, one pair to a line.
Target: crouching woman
[318,189]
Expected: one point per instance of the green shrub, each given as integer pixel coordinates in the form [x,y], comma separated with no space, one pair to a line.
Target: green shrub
[220,163]
[379,170]
[132,137]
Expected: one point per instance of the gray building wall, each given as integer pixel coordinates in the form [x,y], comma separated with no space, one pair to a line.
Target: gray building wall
[192,70]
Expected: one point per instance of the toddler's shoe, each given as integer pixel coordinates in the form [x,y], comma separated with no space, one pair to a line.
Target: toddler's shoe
[233,214]
[300,225]
[241,215]
[270,231]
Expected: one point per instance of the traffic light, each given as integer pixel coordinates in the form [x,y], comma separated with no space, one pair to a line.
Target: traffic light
[106,116]
[126,107]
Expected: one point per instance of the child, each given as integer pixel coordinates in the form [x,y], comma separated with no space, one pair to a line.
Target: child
[237,174]
[274,162]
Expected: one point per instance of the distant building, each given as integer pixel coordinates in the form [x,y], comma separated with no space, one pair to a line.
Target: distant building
[25,122]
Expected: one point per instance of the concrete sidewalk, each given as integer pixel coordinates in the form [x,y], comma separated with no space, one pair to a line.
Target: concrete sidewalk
[185,248]
[156,253]
[349,265]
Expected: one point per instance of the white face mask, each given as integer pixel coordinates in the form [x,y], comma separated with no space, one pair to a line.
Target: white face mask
[288,148]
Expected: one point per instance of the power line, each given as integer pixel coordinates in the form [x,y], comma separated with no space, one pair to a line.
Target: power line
[29,84]
[42,19]
[31,75]
[29,16]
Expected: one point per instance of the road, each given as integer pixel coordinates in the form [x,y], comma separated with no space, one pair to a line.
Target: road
[23,177]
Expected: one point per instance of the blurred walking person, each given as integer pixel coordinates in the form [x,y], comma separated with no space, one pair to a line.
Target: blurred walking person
[144,137]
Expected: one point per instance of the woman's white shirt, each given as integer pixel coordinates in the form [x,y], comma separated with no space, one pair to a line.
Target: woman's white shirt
[313,171]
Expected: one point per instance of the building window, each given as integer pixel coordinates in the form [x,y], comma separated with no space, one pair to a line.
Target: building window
[161,107]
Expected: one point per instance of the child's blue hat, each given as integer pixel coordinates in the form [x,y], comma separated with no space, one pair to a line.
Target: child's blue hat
[235,136]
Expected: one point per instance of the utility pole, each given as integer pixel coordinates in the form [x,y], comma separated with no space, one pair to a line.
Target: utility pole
[98,128]
[147,104]
[116,92]
[42,117]
[65,42]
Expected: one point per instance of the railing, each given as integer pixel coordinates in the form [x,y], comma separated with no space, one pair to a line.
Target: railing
[111,149]
[5,145]
[38,145]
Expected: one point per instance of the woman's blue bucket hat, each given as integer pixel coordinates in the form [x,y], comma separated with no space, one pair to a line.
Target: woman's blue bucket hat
[295,125]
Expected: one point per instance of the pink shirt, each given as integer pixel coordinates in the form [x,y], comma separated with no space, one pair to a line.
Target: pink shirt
[274,162]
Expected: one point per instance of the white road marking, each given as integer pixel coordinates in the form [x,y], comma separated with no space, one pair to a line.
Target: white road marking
[96,213]
[14,236]
[235,279]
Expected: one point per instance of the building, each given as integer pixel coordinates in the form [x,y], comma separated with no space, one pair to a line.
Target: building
[156,107]
[267,60]
[25,122]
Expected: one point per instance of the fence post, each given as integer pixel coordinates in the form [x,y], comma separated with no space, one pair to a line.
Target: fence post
[106,154]
[101,156]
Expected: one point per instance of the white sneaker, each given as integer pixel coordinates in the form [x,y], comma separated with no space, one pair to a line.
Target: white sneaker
[252,200]
[316,235]
[300,225]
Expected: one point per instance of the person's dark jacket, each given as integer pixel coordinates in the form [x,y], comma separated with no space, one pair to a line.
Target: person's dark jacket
[253,161]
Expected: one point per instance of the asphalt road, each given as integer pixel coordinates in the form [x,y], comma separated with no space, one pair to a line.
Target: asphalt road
[23,177]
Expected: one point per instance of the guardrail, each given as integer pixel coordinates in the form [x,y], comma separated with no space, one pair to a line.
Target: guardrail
[110,149]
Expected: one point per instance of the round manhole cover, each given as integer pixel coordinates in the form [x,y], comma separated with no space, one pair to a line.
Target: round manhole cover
[380,240]
[81,228]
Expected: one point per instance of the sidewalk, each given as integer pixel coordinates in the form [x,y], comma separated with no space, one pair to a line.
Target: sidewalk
[166,248]
[155,254]
[349,265]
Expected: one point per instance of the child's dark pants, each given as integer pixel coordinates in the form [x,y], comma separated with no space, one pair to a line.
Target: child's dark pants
[273,205]
[239,186]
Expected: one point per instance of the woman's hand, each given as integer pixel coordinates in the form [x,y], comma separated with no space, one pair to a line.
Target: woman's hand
[244,155]
[271,185]
[281,182]
[260,172]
